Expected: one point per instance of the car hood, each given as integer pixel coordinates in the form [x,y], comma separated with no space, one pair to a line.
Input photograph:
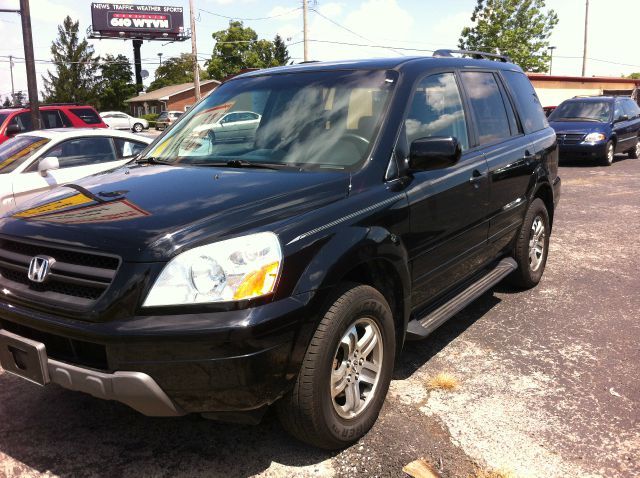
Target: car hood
[585,127]
[148,212]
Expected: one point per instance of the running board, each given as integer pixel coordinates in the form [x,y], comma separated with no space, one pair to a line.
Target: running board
[420,328]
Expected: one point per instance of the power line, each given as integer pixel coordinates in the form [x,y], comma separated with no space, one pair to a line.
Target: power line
[250,19]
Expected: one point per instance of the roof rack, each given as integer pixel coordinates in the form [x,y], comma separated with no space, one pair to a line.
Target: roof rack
[480,55]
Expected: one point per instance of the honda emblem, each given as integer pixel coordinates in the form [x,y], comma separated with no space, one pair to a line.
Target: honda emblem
[39,268]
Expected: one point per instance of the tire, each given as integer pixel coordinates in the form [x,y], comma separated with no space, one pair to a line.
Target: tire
[530,266]
[311,412]
[634,153]
[607,159]
[137,128]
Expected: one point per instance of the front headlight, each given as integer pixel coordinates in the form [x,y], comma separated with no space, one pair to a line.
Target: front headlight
[235,269]
[593,137]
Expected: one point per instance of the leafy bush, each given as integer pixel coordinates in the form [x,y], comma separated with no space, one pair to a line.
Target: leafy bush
[151,117]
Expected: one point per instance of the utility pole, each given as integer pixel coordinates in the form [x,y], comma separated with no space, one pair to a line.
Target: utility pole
[194,52]
[32,85]
[11,68]
[551,48]
[160,56]
[305,29]
[586,29]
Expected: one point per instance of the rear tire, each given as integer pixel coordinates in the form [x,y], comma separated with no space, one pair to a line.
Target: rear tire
[137,128]
[609,153]
[532,246]
[345,372]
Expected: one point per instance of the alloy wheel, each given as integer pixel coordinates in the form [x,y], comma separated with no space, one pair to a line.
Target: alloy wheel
[536,243]
[356,369]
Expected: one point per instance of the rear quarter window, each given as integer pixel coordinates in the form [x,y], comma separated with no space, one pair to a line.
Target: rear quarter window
[87,115]
[529,107]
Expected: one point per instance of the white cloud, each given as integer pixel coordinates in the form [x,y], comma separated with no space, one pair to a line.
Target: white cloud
[284,13]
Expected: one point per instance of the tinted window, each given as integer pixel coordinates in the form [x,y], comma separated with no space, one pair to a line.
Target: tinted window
[576,110]
[127,148]
[436,110]
[527,102]
[163,116]
[631,109]
[617,110]
[83,152]
[488,107]
[23,120]
[51,119]
[17,150]
[87,115]
[2,118]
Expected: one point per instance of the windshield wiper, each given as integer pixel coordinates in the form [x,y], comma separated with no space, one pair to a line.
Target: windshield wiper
[243,163]
[579,118]
[148,160]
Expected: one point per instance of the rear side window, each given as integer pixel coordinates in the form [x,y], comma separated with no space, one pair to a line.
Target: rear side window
[23,120]
[531,112]
[87,115]
[83,152]
[488,106]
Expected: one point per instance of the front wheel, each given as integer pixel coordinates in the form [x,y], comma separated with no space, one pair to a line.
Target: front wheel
[345,373]
[609,152]
[137,128]
[532,246]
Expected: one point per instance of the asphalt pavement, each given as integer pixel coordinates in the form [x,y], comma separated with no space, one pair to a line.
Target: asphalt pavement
[548,382]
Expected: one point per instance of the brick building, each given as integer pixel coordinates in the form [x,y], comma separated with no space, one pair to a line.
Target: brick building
[169,98]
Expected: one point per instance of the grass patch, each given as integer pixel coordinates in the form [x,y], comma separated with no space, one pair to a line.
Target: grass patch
[443,381]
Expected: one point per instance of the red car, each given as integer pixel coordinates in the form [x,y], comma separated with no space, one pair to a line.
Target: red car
[18,120]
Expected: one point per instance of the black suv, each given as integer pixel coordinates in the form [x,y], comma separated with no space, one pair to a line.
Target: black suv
[377,199]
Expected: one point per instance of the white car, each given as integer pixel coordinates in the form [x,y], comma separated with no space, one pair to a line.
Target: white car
[119,120]
[33,162]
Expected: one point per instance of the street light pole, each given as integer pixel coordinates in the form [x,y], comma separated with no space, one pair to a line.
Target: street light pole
[551,48]
[160,56]
[194,52]
[11,68]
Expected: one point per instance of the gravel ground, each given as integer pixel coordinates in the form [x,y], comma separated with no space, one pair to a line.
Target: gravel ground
[548,382]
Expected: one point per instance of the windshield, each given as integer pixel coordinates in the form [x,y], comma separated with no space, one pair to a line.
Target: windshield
[3,116]
[582,110]
[16,151]
[303,120]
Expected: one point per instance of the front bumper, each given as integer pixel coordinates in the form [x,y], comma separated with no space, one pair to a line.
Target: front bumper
[594,150]
[231,361]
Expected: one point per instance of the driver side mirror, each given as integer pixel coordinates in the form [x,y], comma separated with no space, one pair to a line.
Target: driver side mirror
[47,164]
[13,129]
[434,152]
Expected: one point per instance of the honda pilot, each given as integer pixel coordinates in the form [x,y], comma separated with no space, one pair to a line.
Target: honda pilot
[286,268]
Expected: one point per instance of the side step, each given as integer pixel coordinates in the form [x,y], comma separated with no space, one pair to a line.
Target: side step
[420,328]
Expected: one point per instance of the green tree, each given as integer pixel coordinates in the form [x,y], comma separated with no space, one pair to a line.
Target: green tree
[238,48]
[281,53]
[7,102]
[633,76]
[76,67]
[518,28]
[18,98]
[174,71]
[116,83]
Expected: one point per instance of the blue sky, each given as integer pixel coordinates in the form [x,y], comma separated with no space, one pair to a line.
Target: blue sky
[396,25]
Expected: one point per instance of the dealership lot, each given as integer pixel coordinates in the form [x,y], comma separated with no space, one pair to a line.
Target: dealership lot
[548,381]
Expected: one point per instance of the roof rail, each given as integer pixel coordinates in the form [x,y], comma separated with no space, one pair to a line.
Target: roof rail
[480,55]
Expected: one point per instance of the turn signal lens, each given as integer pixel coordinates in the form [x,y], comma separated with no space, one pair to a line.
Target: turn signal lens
[259,282]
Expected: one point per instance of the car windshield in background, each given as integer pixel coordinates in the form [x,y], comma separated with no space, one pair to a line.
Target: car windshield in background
[17,150]
[309,121]
[87,115]
[582,111]
[3,117]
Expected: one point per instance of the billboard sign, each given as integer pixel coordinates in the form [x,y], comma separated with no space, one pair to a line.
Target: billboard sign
[137,21]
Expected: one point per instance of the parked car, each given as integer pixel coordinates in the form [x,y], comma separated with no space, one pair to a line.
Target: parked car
[167,118]
[235,126]
[379,198]
[18,120]
[548,110]
[119,120]
[33,162]
[597,127]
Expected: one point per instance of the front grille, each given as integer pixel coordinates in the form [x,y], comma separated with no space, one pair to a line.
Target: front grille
[76,278]
[570,138]
[76,352]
